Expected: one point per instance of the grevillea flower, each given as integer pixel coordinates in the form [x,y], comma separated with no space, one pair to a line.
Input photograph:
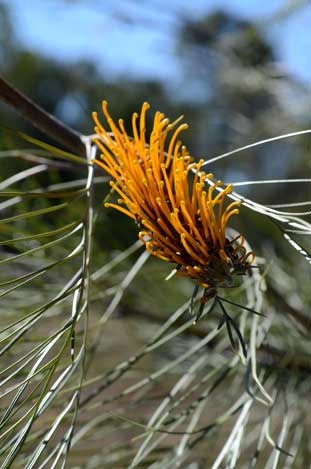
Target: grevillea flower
[181,219]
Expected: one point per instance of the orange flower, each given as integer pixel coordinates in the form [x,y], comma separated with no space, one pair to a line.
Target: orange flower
[181,220]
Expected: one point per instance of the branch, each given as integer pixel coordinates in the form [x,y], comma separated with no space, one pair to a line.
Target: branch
[269,356]
[41,119]
[283,306]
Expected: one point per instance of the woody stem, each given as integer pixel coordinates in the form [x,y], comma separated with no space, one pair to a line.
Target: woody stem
[40,118]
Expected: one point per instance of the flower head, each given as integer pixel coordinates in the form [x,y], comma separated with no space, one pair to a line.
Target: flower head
[180,219]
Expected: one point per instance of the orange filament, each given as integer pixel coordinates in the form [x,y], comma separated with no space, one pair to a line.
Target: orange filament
[183,223]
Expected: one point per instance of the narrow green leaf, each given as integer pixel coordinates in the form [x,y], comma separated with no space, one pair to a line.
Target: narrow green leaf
[41,235]
[51,149]
[48,194]
[34,213]
[44,269]
[39,248]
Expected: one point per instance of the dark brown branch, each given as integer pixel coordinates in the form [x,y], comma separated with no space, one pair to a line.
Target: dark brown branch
[41,119]
[283,307]
[278,359]
[268,355]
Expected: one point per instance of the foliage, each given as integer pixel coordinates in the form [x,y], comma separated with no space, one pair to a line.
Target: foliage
[55,329]
[102,364]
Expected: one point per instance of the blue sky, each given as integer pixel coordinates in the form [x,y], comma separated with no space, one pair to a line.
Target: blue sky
[135,38]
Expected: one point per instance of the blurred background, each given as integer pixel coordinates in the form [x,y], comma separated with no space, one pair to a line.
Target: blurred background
[238,70]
